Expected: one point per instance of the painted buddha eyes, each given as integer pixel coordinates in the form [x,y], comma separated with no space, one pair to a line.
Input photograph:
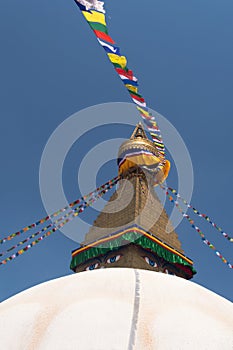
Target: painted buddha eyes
[113,259]
[150,262]
[92,267]
[110,260]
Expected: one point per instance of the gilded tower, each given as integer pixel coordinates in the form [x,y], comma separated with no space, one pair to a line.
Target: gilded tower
[134,230]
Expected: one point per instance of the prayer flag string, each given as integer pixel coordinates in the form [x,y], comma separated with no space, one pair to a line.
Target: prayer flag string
[198,230]
[49,217]
[56,221]
[94,14]
[72,214]
[204,216]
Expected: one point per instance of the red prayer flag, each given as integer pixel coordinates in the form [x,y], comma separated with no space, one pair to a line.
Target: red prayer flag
[128,73]
[104,36]
[140,99]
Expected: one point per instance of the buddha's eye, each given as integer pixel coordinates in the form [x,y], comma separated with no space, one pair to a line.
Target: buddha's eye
[113,259]
[92,267]
[150,262]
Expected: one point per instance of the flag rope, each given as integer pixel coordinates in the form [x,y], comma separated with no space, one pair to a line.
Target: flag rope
[72,214]
[94,13]
[196,228]
[198,213]
[58,212]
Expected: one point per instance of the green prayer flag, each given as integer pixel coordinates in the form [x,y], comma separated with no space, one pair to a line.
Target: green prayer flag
[98,26]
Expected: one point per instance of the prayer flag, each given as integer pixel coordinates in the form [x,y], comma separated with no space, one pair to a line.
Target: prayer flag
[121,60]
[95,16]
[109,48]
[99,27]
[104,36]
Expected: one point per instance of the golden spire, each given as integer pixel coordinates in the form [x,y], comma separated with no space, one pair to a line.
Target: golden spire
[134,210]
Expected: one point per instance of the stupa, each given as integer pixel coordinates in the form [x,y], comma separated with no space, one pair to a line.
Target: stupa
[116,309]
[138,305]
[134,230]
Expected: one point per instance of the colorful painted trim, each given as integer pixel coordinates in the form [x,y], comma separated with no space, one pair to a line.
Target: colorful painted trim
[134,235]
[137,152]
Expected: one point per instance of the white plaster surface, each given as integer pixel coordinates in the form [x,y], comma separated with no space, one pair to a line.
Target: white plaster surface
[116,309]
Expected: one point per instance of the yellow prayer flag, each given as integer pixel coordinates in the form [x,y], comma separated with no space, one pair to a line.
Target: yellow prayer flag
[121,60]
[131,88]
[94,16]
[147,114]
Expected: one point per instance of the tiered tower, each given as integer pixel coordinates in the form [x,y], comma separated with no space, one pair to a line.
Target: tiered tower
[134,230]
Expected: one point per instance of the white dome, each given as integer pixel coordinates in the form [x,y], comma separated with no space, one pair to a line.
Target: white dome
[116,309]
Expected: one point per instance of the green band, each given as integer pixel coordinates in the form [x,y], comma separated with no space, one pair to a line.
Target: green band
[131,237]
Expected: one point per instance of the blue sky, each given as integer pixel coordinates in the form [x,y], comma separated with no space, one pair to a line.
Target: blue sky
[52,67]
